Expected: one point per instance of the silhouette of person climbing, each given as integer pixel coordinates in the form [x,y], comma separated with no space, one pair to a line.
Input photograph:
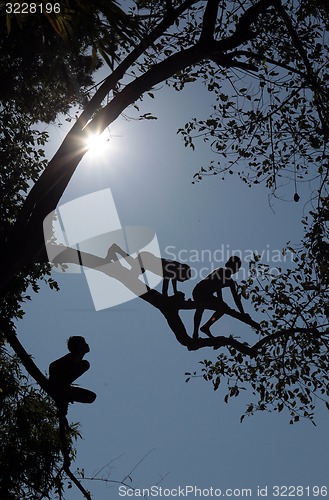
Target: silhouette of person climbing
[204,295]
[170,270]
[65,370]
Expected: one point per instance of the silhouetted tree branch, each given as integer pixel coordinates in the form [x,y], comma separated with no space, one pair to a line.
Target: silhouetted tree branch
[47,191]
[72,148]
[223,41]
[310,76]
[45,385]
[170,306]
[25,358]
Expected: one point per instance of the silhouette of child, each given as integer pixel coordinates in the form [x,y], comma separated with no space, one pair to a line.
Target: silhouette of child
[65,370]
[170,270]
[204,295]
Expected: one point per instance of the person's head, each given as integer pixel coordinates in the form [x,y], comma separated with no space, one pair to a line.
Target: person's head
[77,344]
[233,264]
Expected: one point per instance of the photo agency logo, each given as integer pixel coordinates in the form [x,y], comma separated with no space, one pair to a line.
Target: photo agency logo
[86,236]
[204,261]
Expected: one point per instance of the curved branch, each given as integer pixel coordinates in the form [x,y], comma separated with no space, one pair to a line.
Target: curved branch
[47,191]
[170,306]
[52,183]
[243,31]
[155,75]
[262,57]
[109,83]
[303,54]
[295,38]
[31,368]
[216,49]
[77,483]
[63,429]
[40,188]
[25,358]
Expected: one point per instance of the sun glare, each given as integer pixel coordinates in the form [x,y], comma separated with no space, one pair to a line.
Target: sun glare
[98,145]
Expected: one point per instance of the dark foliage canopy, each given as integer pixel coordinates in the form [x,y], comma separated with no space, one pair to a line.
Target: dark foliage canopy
[265,65]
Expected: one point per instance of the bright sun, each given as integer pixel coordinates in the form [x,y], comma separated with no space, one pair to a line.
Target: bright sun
[98,145]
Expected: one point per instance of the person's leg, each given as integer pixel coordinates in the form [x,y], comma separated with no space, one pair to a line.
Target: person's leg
[215,317]
[197,320]
[206,300]
[77,370]
[59,394]
[80,395]
[165,286]
[221,308]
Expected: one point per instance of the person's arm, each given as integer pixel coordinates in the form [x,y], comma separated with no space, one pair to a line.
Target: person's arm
[236,297]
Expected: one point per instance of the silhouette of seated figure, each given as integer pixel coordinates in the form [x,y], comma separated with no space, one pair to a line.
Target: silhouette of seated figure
[170,270]
[207,294]
[65,370]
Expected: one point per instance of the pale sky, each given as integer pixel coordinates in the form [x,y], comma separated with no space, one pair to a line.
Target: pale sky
[137,366]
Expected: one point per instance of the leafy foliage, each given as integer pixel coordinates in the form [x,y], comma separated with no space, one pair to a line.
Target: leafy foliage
[47,59]
[290,367]
[20,145]
[270,116]
[266,70]
[22,158]
[30,455]
[265,65]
